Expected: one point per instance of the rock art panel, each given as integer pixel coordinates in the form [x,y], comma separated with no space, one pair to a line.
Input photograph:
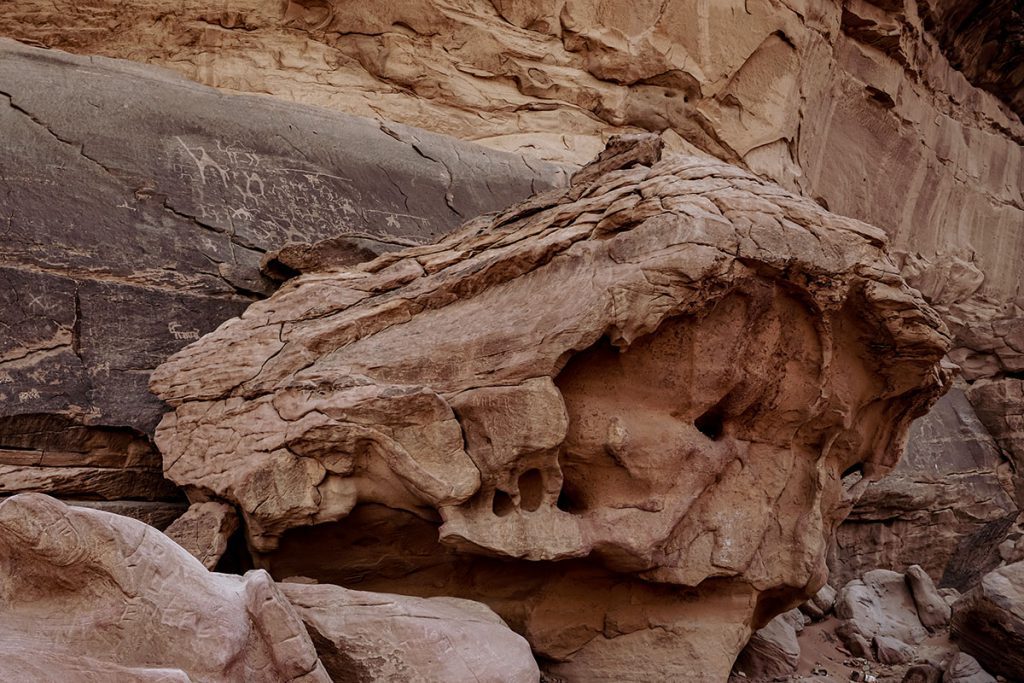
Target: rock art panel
[89,595]
[130,227]
[674,378]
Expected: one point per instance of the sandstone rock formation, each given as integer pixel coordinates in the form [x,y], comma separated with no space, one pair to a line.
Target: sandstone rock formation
[772,651]
[879,604]
[905,114]
[988,621]
[378,637]
[204,531]
[88,595]
[130,227]
[946,506]
[514,388]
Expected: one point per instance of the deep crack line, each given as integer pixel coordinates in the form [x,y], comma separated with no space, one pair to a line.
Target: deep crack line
[77,146]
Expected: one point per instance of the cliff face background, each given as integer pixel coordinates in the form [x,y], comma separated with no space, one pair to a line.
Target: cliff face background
[905,115]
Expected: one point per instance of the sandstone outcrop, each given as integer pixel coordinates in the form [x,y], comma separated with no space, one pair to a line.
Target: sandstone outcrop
[88,595]
[512,390]
[946,506]
[988,622]
[129,228]
[772,651]
[903,114]
[377,637]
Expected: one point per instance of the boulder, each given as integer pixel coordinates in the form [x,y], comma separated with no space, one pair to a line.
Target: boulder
[891,651]
[773,651]
[129,228]
[880,604]
[204,531]
[923,673]
[368,637]
[90,595]
[964,668]
[821,603]
[454,423]
[932,609]
[988,621]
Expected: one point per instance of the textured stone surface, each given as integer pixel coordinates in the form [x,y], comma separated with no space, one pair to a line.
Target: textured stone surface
[931,607]
[964,668]
[131,226]
[378,637]
[89,595]
[772,652]
[462,384]
[868,106]
[946,506]
[880,604]
[988,621]
[204,531]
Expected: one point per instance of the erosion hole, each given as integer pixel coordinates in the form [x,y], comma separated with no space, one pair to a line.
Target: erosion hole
[502,504]
[710,424]
[531,490]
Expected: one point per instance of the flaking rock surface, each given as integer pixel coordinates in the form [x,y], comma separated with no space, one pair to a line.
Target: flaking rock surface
[631,413]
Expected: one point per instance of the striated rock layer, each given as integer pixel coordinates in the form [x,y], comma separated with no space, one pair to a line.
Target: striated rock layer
[130,226]
[901,113]
[632,413]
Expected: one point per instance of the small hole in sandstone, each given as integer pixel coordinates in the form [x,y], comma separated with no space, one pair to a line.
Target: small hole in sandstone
[855,468]
[531,490]
[710,423]
[502,503]
[567,501]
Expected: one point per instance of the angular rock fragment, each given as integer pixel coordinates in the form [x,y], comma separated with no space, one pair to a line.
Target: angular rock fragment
[204,531]
[821,603]
[891,651]
[653,390]
[99,595]
[772,652]
[369,637]
[988,621]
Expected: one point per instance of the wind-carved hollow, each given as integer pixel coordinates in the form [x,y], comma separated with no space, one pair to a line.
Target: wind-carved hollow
[502,504]
[531,490]
[484,388]
[711,423]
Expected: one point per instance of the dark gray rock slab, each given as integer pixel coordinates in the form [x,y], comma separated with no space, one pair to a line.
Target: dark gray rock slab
[136,207]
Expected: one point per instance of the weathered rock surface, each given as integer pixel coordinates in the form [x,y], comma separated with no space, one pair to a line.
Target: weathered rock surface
[880,604]
[821,603]
[204,531]
[89,595]
[130,227]
[882,109]
[988,621]
[964,668]
[377,637]
[772,652]
[1000,405]
[514,387]
[931,608]
[946,506]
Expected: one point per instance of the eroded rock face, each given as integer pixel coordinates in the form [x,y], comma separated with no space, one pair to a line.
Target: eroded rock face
[669,370]
[89,595]
[368,637]
[131,227]
[988,621]
[946,506]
